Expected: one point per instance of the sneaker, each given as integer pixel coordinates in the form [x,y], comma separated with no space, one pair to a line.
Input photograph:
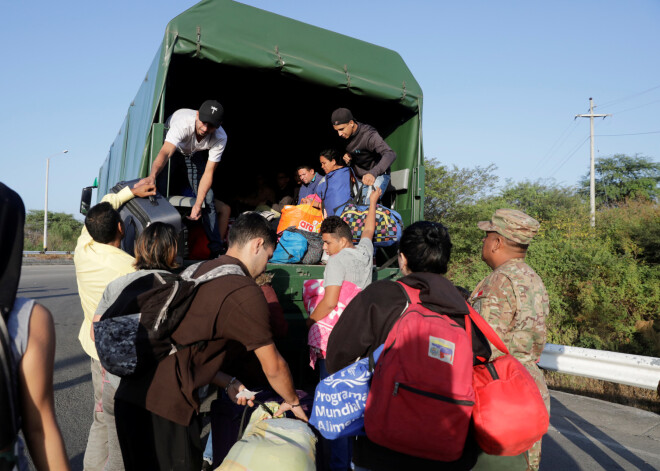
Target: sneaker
[207,465]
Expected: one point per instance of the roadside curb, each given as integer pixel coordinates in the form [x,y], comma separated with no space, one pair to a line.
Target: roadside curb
[53,261]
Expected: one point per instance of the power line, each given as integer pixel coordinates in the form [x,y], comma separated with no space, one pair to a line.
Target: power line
[569,156]
[556,145]
[630,134]
[636,107]
[628,97]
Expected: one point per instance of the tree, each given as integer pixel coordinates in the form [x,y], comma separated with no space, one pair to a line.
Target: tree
[541,199]
[63,230]
[448,189]
[622,177]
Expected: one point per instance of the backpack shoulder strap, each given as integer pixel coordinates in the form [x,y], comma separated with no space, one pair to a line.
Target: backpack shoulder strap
[8,382]
[217,272]
[188,273]
[411,293]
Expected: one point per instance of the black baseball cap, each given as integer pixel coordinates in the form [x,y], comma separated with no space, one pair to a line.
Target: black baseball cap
[211,112]
[341,116]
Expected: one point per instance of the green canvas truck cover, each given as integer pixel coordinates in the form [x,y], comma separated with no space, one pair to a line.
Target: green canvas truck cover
[268,71]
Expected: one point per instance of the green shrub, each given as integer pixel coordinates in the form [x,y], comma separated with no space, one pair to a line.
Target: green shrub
[601,281]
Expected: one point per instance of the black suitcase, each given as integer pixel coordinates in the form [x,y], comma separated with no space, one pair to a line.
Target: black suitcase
[138,213]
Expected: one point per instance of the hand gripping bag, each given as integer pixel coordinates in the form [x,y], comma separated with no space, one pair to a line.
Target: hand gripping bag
[340,399]
[509,414]
[302,216]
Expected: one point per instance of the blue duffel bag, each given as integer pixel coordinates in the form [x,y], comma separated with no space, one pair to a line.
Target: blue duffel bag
[291,248]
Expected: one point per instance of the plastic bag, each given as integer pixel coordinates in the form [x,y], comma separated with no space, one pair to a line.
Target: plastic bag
[303,216]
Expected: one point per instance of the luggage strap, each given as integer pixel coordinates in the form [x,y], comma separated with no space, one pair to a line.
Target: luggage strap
[243,425]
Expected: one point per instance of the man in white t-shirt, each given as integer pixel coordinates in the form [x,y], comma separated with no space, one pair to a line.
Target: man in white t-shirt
[189,133]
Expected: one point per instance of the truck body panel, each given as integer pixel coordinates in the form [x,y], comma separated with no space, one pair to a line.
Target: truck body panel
[278,80]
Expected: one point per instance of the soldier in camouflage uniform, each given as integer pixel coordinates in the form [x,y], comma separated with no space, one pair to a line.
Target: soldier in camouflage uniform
[513,298]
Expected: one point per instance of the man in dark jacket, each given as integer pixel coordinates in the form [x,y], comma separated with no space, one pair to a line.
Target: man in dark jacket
[366,152]
[366,322]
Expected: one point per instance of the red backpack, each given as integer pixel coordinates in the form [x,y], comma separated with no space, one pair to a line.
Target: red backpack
[421,395]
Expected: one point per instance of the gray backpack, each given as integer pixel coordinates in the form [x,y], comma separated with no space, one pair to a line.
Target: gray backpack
[135,332]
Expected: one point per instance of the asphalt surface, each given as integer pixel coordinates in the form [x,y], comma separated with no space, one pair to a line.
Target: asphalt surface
[585,434]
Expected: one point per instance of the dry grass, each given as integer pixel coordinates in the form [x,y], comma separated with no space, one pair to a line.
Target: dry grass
[618,393]
[41,256]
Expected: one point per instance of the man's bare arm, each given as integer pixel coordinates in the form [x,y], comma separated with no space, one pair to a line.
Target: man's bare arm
[203,188]
[161,159]
[327,304]
[370,223]
[277,372]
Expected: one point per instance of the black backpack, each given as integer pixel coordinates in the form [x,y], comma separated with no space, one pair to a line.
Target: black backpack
[134,333]
[8,400]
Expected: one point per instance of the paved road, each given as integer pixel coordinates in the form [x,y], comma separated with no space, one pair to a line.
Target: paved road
[585,434]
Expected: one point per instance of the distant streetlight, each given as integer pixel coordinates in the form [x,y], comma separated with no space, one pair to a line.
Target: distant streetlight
[46,205]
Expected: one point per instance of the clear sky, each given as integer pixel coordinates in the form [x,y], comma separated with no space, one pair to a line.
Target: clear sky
[502,80]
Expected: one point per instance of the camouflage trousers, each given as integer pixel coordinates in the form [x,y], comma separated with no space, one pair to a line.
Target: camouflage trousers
[534,453]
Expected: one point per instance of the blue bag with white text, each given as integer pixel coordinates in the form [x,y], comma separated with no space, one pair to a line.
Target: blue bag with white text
[340,399]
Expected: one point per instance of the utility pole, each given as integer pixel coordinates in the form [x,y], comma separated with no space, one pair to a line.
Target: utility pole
[46,203]
[592,186]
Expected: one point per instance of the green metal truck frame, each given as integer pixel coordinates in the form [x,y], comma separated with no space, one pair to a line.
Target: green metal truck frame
[278,80]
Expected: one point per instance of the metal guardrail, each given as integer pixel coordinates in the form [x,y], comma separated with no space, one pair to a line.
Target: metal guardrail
[622,368]
[50,252]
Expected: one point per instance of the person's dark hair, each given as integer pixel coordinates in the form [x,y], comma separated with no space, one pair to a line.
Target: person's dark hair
[332,154]
[156,248]
[250,226]
[12,221]
[336,226]
[306,167]
[427,247]
[101,222]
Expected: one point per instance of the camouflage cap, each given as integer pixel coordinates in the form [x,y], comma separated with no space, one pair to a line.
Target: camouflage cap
[512,224]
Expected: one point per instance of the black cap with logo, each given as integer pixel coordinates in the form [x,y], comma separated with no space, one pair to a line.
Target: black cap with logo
[211,112]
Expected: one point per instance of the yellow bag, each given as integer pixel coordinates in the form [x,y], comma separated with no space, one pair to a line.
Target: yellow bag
[303,216]
[273,445]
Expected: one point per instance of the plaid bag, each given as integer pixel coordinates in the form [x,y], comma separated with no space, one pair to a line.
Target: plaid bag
[388,223]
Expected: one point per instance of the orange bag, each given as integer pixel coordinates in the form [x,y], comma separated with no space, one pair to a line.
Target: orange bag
[303,216]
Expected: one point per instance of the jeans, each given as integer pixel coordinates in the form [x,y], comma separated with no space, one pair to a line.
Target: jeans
[208,451]
[382,181]
[103,451]
[196,164]
[341,449]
